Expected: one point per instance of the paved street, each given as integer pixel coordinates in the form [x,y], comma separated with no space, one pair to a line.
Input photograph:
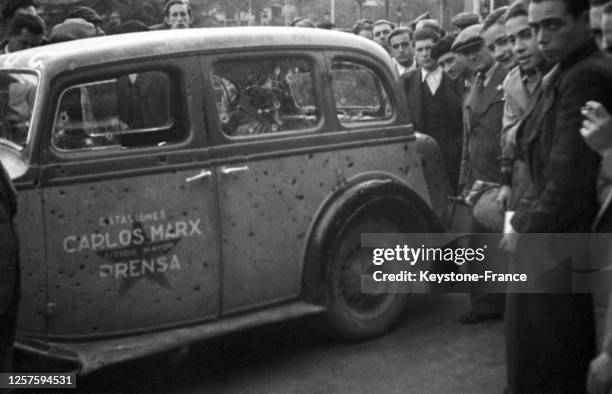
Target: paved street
[428,352]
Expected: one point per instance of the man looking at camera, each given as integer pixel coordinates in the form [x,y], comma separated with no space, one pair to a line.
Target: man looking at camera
[562,193]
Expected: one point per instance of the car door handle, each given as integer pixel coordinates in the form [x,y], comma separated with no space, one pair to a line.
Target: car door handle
[232,170]
[201,175]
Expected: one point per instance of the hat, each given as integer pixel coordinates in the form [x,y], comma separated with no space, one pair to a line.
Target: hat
[464,19]
[468,37]
[72,29]
[89,14]
[132,26]
[442,46]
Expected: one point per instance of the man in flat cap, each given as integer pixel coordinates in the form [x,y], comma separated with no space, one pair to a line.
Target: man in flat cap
[463,20]
[480,166]
[402,52]
[434,103]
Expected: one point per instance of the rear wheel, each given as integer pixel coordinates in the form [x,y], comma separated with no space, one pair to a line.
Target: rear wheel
[353,314]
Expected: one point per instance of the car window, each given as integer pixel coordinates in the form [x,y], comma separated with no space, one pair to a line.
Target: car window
[17,94]
[131,110]
[359,94]
[261,96]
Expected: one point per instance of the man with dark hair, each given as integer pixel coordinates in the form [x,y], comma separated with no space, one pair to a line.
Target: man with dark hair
[495,38]
[177,15]
[382,29]
[9,271]
[434,103]
[11,7]
[595,18]
[25,31]
[400,45]
[480,167]
[559,328]
[453,64]
[521,88]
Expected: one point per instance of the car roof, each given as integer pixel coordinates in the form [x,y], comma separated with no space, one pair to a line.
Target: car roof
[76,54]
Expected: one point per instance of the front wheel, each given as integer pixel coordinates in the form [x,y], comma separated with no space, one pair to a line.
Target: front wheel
[353,314]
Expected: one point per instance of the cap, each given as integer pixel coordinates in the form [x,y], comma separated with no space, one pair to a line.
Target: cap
[442,46]
[464,19]
[468,37]
[89,14]
[72,29]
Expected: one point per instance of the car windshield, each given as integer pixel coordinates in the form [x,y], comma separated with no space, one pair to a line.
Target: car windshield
[17,94]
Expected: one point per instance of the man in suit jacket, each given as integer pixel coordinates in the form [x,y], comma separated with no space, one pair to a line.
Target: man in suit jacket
[434,102]
[562,194]
[480,165]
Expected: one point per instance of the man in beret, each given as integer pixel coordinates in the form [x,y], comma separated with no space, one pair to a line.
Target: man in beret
[434,103]
[453,64]
[480,166]
[463,20]
[400,45]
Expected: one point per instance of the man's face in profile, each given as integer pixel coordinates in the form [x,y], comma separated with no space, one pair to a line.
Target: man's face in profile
[178,17]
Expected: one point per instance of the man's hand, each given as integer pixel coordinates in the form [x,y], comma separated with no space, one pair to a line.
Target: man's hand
[503,197]
[599,380]
[509,242]
[596,127]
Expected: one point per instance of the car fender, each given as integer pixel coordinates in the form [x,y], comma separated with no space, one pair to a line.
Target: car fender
[434,172]
[362,193]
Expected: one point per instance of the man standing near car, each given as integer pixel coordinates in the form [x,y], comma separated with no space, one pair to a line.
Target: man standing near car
[562,194]
[480,165]
[382,29]
[434,103]
[9,271]
[400,44]
[177,15]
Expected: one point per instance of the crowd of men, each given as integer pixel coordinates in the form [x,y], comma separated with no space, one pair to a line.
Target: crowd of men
[519,105]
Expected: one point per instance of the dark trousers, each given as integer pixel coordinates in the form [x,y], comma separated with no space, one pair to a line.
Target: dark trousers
[550,340]
[482,299]
[9,290]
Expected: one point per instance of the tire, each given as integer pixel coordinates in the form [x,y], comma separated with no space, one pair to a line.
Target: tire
[352,314]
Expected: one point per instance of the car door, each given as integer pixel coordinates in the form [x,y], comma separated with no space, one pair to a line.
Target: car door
[266,108]
[129,201]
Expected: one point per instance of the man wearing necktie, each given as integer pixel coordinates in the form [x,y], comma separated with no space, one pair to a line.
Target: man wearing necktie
[480,163]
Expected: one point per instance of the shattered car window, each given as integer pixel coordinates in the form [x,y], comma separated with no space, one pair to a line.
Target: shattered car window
[132,110]
[260,96]
[359,94]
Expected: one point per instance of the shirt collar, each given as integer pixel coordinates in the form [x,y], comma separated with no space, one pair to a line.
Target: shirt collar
[425,73]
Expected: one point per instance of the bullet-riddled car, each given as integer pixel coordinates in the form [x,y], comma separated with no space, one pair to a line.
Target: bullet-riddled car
[178,185]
